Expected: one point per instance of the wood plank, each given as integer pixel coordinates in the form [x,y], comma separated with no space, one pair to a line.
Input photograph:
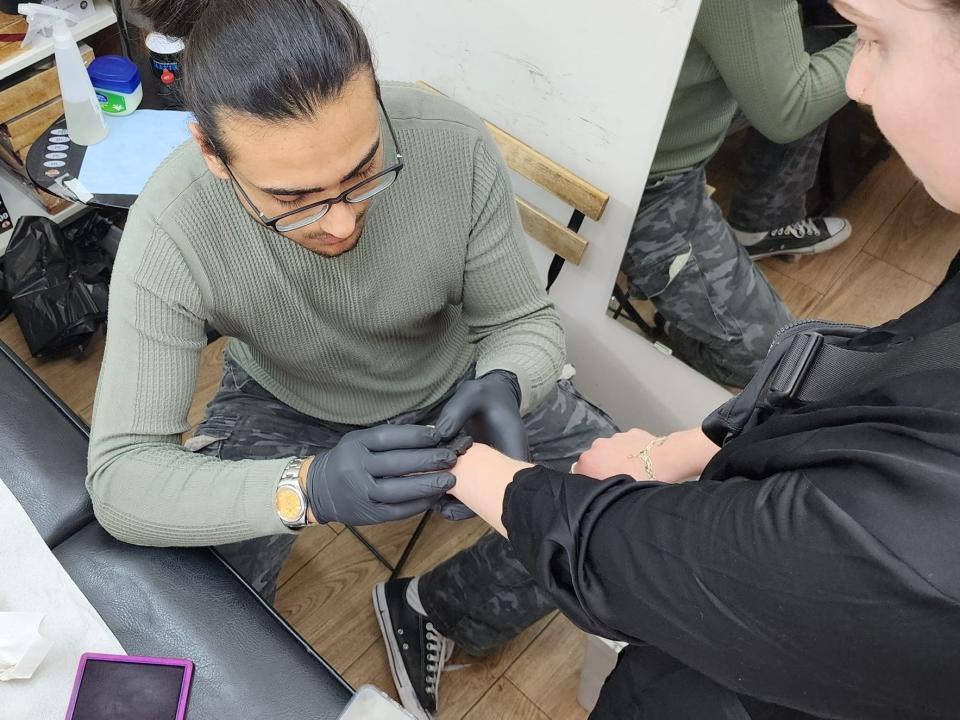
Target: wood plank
[871,292]
[464,687]
[25,129]
[551,234]
[86,413]
[920,238]
[35,90]
[541,170]
[800,299]
[11,25]
[505,702]
[372,668]
[311,542]
[328,600]
[552,177]
[442,539]
[867,208]
[16,161]
[548,672]
[9,20]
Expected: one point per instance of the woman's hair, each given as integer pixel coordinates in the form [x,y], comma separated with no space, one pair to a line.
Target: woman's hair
[273,59]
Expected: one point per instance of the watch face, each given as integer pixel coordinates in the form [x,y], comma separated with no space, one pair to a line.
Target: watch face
[289,505]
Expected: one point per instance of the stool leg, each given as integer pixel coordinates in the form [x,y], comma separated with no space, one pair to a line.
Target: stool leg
[410,545]
[632,313]
[370,547]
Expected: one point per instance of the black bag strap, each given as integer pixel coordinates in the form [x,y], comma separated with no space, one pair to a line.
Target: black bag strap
[813,362]
[812,369]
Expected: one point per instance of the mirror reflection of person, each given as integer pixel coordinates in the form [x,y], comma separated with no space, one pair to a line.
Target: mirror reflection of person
[812,570]
[695,265]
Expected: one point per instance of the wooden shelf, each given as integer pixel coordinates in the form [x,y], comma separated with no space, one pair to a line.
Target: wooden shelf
[102,17]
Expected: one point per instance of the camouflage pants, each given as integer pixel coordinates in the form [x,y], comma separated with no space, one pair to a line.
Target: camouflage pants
[719,311]
[773,181]
[480,597]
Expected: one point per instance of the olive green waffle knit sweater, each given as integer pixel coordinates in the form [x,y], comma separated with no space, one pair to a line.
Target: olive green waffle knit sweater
[441,279]
[749,54]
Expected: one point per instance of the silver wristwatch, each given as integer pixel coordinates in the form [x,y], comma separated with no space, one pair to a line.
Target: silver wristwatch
[289,500]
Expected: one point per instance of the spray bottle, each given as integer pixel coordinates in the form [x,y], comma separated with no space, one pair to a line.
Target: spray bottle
[85,123]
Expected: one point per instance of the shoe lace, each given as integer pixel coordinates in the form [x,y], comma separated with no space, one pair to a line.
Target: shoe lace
[799,230]
[439,649]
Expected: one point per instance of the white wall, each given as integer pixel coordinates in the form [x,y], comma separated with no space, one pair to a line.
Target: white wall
[588,85]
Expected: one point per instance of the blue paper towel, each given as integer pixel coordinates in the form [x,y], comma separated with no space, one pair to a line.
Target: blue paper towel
[135,145]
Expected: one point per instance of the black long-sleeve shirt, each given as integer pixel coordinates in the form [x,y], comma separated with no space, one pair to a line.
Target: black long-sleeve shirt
[815,565]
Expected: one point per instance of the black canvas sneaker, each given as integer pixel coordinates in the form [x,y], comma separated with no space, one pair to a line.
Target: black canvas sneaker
[807,237]
[416,651]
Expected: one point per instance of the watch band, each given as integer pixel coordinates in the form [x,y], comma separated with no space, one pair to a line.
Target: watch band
[289,487]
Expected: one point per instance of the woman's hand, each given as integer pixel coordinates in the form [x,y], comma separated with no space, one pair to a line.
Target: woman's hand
[678,457]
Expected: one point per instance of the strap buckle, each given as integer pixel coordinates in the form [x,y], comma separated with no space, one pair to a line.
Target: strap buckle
[793,368]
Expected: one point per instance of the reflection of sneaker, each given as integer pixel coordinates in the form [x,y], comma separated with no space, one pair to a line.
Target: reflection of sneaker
[416,651]
[807,237]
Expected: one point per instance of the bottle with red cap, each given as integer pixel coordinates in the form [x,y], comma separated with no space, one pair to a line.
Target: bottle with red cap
[165,55]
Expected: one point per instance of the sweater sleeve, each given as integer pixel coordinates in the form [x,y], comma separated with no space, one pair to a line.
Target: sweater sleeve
[146,488]
[758,49]
[512,321]
[767,587]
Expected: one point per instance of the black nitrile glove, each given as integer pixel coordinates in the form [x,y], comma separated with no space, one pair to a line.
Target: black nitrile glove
[448,506]
[362,480]
[487,409]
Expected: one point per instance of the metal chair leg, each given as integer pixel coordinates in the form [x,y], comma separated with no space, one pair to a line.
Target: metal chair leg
[410,545]
[370,547]
[632,313]
[395,570]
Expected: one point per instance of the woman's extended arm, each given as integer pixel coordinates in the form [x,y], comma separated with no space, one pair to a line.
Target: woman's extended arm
[483,474]
[482,478]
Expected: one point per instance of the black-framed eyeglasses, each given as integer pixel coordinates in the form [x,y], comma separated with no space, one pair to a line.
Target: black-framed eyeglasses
[361,192]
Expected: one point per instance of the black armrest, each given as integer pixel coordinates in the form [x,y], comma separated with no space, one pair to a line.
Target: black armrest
[43,452]
[186,603]
[176,602]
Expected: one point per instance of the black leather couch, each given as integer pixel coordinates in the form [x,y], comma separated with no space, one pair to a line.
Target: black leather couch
[158,601]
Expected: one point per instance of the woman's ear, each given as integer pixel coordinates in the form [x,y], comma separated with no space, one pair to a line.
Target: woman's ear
[214,163]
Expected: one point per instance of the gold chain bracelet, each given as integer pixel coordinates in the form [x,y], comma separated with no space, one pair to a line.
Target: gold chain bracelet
[644,456]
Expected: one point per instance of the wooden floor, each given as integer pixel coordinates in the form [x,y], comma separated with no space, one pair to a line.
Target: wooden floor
[901,245]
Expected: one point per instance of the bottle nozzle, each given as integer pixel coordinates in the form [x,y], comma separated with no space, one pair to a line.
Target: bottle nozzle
[41,18]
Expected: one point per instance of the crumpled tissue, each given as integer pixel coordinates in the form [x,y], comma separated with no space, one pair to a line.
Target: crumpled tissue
[22,647]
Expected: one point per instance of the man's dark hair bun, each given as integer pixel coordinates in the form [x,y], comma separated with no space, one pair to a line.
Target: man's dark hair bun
[271,59]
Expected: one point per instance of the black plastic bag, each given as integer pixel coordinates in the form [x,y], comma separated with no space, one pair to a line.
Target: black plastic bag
[4,295]
[58,283]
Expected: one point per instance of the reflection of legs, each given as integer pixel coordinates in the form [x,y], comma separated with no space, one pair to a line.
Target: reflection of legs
[483,596]
[720,312]
[651,685]
[773,181]
[244,421]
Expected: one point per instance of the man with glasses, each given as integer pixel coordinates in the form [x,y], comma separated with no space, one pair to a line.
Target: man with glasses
[368,264]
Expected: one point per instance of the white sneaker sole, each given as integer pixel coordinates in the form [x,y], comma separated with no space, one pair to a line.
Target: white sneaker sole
[408,697]
[821,247]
